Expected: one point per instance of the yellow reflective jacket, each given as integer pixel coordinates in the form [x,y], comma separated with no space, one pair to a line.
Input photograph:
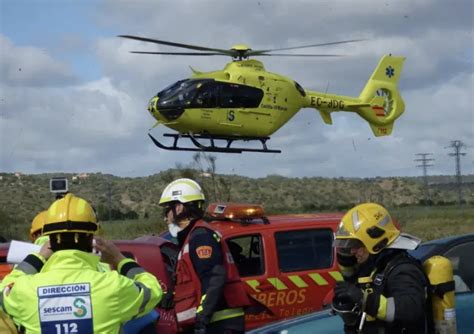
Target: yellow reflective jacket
[42,240]
[70,295]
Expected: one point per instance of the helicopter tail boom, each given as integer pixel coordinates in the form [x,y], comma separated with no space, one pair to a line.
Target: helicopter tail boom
[381,103]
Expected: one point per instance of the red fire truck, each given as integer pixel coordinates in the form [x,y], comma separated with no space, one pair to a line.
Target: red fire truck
[287,261]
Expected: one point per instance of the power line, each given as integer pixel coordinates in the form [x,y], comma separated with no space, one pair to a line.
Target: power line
[457,145]
[425,164]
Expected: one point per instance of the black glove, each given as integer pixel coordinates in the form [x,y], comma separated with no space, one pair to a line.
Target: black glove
[348,291]
[199,330]
[347,302]
[200,326]
[167,301]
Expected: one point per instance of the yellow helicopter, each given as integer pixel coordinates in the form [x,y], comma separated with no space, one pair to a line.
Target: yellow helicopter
[244,102]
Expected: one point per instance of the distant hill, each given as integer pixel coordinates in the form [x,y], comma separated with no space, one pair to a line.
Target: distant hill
[22,196]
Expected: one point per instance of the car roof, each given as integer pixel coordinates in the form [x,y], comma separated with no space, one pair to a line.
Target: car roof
[276,222]
[448,240]
[439,246]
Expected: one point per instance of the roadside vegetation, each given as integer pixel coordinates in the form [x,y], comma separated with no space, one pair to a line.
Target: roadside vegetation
[128,207]
[426,223]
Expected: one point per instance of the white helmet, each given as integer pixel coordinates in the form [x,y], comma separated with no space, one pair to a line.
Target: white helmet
[183,191]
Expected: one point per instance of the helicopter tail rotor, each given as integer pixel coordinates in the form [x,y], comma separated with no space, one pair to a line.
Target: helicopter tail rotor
[380,103]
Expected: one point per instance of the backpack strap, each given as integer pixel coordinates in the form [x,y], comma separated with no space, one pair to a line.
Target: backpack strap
[403,258]
[442,288]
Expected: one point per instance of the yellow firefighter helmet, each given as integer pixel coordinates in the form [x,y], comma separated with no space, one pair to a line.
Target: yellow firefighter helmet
[37,223]
[367,224]
[70,214]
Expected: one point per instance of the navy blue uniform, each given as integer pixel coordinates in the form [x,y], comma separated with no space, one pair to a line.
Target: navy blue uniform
[206,255]
[403,283]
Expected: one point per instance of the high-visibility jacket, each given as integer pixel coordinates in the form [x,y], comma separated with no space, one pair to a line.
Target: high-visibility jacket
[188,295]
[68,294]
[41,240]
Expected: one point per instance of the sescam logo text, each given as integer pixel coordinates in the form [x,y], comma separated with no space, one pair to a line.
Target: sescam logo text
[57,309]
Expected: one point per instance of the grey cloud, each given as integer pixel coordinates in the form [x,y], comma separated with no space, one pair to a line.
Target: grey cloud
[102,125]
[31,67]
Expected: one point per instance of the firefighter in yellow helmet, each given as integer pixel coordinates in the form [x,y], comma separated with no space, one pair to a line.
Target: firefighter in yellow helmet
[6,324]
[68,293]
[384,288]
[36,231]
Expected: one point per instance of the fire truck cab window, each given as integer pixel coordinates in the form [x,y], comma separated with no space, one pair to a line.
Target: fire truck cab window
[247,252]
[304,249]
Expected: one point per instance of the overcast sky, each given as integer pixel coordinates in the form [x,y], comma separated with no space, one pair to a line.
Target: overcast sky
[73,99]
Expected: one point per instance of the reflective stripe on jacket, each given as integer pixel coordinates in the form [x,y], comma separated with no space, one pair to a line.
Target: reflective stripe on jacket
[115,296]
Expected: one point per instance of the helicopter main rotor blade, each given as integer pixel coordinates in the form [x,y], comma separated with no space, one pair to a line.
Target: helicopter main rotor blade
[178,45]
[259,52]
[181,53]
[296,55]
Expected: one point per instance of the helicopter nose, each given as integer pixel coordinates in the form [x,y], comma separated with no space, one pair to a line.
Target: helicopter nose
[153,109]
[152,105]
[162,112]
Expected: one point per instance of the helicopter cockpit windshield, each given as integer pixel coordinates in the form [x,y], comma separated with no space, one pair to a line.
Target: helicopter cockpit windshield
[175,98]
[180,94]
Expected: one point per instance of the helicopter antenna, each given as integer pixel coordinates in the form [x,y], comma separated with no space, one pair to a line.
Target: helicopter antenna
[327,88]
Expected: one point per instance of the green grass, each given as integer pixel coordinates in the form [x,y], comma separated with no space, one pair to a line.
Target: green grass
[430,223]
[426,223]
[130,229]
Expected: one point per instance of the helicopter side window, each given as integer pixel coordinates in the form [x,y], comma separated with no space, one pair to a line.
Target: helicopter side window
[239,96]
[300,89]
[206,96]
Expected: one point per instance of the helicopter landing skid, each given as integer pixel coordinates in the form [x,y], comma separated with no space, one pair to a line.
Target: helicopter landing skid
[212,147]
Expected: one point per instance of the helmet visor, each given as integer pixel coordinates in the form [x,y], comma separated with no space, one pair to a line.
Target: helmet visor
[348,243]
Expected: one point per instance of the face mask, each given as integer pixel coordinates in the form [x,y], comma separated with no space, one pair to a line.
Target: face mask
[174,229]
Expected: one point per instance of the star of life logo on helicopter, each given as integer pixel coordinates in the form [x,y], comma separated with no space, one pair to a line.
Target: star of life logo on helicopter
[65,308]
[390,71]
